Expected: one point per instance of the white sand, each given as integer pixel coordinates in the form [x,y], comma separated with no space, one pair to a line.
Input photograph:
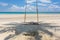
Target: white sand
[54,19]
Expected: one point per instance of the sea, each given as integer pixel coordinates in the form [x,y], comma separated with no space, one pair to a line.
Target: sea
[29,12]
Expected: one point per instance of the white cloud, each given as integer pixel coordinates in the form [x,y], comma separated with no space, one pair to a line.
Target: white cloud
[19,8]
[42,4]
[54,6]
[55,3]
[45,1]
[30,1]
[3,4]
[30,8]
[16,8]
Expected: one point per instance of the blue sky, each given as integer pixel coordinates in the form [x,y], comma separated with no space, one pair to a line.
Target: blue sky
[19,5]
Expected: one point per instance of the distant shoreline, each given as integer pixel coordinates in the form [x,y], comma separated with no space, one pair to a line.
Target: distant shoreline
[29,13]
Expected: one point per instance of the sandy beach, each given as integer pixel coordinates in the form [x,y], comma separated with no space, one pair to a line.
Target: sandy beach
[10,22]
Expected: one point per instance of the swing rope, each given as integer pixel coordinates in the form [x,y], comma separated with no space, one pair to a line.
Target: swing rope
[36,12]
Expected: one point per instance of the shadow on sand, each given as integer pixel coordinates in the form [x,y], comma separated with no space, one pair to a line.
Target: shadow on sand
[20,28]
